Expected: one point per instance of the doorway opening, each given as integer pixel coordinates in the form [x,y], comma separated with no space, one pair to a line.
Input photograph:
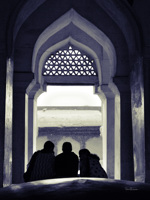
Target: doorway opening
[70,113]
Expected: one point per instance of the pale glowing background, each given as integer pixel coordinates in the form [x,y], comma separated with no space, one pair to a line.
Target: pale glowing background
[69,106]
[69,96]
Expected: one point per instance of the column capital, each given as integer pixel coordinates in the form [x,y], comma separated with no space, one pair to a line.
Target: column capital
[105,90]
[35,89]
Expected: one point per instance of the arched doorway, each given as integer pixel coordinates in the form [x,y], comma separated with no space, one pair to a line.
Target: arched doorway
[126,45]
[96,45]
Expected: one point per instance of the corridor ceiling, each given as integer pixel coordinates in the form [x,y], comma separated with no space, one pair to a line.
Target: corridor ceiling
[27,20]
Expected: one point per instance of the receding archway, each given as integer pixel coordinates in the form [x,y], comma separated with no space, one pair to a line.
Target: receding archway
[120,33]
[96,44]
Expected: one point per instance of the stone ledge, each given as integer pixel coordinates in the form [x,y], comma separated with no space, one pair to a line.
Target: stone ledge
[87,130]
[76,189]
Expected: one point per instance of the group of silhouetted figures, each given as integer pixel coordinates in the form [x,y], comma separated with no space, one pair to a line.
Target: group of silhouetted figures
[45,165]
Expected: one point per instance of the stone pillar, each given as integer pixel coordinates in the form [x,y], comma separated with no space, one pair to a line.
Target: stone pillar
[8,125]
[31,127]
[108,117]
[33,91]
[137,95]
[126,138]
[21,81]
[2,110]
[117,137]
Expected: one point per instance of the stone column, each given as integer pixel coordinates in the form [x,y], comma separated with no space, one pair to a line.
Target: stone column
[2,110]
[21,81]
[108,117]
[33,91]
[31,127]
[126,138]
[137,95]
[8,125]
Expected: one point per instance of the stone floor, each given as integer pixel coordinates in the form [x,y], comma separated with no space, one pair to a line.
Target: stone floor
[76,189]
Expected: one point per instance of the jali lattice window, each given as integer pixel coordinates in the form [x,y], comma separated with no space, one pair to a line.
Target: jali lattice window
[69,62]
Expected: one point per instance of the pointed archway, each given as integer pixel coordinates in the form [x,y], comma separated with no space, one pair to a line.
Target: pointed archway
[97,45]
[123,50]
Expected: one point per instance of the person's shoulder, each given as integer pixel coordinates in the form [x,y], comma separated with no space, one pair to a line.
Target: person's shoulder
[34,156]
[59,155]
[73,154]
[94,156]
[36,153]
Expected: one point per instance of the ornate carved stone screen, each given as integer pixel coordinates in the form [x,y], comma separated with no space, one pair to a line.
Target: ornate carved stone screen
[69,62]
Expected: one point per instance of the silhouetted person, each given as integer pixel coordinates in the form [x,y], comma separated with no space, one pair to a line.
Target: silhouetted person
[42,164]
[84,163]
[66,162]
[90,165]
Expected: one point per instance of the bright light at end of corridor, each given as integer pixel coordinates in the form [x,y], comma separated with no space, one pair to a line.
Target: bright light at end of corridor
[69,96]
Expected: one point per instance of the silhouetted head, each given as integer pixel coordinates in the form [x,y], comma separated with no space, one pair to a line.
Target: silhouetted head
[67,147]
[48,146]
[84,152]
